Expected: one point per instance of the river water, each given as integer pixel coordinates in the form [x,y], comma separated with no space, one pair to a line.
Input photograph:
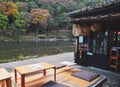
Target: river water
[10,50]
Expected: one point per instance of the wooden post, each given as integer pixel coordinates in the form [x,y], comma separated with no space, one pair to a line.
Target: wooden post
[77,53]
[77,44]
[116,39]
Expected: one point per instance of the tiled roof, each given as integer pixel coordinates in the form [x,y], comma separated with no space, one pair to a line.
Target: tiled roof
[108,7]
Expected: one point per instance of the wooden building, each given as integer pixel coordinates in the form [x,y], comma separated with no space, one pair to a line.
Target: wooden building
[97,32]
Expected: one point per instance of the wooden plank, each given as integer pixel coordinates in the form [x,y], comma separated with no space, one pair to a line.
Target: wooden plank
[4,74]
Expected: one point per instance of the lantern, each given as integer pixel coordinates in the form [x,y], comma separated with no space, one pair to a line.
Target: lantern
[81,30]
[95,27]
[84,30]
[76,30]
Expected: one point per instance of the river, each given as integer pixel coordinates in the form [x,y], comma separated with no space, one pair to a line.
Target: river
[11,50]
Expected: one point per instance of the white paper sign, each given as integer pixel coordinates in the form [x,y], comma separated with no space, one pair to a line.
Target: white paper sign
[35,66]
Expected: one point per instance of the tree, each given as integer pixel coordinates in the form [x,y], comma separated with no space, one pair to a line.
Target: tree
[32,5]
[40,18]
[19,26]
[2,6]
[11,8]
[80,6]
[3,23]
[13,23]
[91,2]
[22,6]
[51,23]
[22,22]
[56,11]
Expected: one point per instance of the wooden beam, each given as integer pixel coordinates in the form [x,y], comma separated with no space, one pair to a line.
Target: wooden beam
[99,17]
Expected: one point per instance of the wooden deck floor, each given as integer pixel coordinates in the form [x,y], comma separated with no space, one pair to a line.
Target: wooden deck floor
[63,76]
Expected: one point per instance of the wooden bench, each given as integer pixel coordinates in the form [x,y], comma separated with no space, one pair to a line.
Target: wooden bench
[5,77]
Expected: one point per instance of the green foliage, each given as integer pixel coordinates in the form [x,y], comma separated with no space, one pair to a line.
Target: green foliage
[80,6]
[16,28]
[91,2]
[21,23]
[32,5]
[79,0]
[50,9]
[22,6]
[59,8]
[11,30]
[3,23]
[21,57]
[51,23]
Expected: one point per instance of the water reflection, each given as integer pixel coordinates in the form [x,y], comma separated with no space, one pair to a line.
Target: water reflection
[10,50]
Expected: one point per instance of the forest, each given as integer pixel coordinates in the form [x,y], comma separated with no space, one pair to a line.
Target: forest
[21,17]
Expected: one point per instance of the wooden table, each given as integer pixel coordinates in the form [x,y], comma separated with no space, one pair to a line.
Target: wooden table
[29,69]
[5,76]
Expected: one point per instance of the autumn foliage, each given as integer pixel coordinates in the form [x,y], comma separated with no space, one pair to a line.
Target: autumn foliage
[2,6]
[40,16]
[11,8]
[8,8]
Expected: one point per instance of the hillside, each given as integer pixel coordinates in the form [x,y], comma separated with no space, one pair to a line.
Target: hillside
[20,17]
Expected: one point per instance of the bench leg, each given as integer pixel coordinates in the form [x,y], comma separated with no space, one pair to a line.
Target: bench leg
[8,82]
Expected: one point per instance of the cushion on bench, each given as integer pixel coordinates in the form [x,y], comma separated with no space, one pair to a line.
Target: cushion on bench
[53,84]
[86,75]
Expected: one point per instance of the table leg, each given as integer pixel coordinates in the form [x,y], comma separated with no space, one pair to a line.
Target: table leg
[8,82]
[44,72]
[23,80]
[15,76]
[54,73]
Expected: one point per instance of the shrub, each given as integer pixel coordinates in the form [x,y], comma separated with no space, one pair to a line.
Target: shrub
[21,57]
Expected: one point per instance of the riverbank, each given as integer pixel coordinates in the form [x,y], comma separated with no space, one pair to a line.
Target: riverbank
[48,36]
